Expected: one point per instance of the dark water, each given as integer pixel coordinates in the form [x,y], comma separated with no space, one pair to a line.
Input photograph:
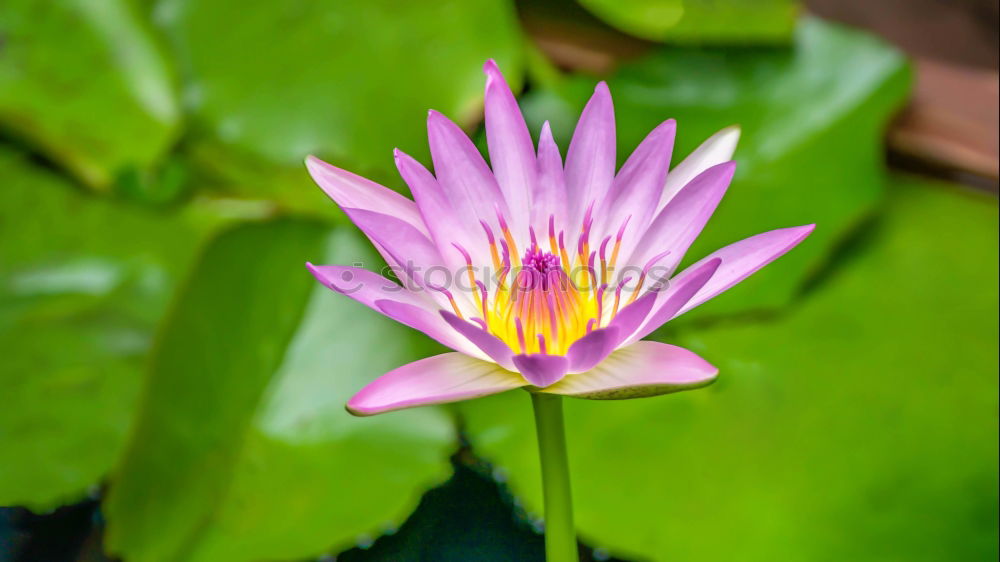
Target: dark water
[472,516]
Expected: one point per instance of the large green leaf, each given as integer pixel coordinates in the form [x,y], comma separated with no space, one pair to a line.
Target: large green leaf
[243,449]
[700,21]
[859,426]
[82,284]
[347,81]
[810,150]
[85,83]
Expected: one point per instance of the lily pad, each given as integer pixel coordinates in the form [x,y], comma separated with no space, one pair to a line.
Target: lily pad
[347,81]
[85,83]
[861,425]
[700,21]
[810,151]
[83,282]
[243,449]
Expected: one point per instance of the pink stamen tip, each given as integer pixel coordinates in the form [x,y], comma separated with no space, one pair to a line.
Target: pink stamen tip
[441,290]
[590,325]
[541,343]
[562,244]
[531,232]
[489,232]
[500,219]
[520,334]
[552,226]
[468,258]
[618,295]
[604,247]
[653,261]
[621,229]
[588,217]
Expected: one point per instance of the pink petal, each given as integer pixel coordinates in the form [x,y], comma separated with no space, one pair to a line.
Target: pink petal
[632,316]
[429,324]
[433,203]
[491,345]
[541,370]
[465,179]
[407,247]
[590,161]
[592,348]
[674,297]
[636,189]
[549,197]
[681,221]
[435,380]
[742,259]
[365,286]
[377,292]
[645,368]
[350,190]
[717,149]
[512,154]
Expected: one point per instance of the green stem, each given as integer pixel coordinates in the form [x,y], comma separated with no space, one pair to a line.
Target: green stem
[560,537]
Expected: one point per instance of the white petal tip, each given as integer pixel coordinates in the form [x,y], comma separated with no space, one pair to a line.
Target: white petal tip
[314,163]
[729,138]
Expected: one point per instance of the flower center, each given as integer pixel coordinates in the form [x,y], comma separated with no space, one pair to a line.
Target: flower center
[541,262]
[546,300]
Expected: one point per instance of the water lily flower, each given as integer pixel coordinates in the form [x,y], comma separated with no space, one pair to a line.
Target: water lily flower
[540,274]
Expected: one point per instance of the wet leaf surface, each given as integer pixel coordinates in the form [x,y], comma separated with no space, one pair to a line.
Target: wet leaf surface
[243,449]
[83,282]
[86,84]
[347,81]
[700,21]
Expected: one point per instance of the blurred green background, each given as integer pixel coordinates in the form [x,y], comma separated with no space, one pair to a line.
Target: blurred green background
[172,380]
